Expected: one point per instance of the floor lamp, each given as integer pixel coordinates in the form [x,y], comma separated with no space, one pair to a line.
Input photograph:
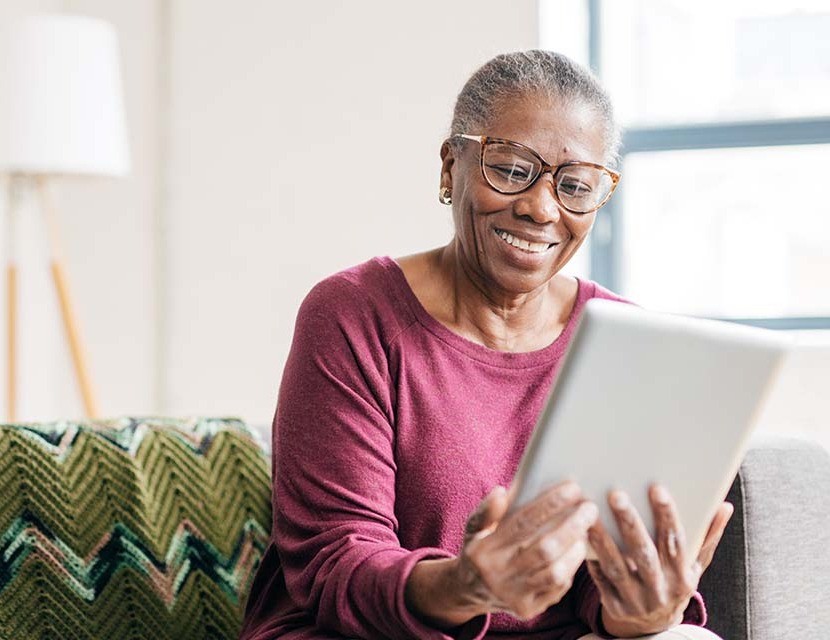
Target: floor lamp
[61,114]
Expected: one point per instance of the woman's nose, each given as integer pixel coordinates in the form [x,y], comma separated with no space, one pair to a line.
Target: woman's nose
[539,202]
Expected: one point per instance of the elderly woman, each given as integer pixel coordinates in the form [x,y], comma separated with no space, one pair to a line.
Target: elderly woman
[413,386]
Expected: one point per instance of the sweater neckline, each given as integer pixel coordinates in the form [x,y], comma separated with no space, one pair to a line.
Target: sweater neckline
[506,359]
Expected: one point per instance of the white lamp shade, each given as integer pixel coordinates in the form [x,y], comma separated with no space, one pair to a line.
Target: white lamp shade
[61,103]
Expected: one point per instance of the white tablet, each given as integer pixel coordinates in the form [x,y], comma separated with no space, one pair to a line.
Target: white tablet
[646,397]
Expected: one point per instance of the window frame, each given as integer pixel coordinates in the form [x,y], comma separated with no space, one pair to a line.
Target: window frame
[606,242]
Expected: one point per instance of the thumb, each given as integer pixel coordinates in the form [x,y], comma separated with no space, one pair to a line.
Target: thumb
[487,515]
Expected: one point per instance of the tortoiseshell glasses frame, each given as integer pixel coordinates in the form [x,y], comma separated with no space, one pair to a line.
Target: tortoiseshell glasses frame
[542,166]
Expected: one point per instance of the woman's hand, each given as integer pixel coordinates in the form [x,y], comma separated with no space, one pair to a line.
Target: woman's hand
[646,589]
[524,563]
[519,564]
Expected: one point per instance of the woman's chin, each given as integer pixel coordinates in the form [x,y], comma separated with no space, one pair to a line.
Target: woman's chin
[516,282]
[520,271]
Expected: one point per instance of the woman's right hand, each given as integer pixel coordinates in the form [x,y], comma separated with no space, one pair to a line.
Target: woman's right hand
[524,562]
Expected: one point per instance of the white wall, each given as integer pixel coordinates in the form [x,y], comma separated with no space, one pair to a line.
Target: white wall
[797,403]
[305,139]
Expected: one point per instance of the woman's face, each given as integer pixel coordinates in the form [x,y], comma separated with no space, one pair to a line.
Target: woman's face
[559,132]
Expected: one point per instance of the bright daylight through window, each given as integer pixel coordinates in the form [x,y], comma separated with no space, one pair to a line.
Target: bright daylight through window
[722,209]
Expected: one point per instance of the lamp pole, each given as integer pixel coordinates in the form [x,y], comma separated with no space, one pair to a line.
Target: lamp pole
[70,323]
[11,302]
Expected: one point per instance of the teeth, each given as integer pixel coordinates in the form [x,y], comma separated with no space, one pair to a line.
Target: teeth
[532,247]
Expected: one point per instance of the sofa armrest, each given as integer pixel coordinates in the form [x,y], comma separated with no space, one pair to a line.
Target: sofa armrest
[770,577]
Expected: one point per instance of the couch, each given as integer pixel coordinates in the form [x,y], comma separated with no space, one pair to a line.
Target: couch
[770,577]
[153,528]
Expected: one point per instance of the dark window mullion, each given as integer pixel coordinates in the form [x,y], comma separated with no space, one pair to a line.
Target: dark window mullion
[767,133]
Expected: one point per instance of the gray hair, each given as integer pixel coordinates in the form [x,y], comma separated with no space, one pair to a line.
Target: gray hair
[512,76]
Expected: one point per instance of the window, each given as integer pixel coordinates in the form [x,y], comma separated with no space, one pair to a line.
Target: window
[674,61]
[723,208]
[738,232]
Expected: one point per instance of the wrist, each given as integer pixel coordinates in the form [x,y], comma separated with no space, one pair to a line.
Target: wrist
[441,593]
[635,628]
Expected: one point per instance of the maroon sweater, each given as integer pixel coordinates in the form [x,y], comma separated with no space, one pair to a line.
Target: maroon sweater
[389,430]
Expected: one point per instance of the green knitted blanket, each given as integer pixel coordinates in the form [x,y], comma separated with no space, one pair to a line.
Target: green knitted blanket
[134,528]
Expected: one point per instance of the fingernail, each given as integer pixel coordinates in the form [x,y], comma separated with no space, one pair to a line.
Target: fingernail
[588,513]
[569,490]
[632,566]
[619,500]
[661,495]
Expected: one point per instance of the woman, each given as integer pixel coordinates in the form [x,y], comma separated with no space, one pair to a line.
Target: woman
[413,386]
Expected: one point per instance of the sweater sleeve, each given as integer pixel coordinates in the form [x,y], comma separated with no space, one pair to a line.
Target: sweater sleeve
[334,475]
[589,606]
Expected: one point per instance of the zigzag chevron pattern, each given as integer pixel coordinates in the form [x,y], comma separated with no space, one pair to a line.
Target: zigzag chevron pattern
[134,528]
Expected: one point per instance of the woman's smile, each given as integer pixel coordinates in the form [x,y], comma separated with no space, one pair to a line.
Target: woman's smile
[528,252]
[530,246]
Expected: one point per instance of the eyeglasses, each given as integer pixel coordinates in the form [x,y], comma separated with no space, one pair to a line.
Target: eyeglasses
[511,167]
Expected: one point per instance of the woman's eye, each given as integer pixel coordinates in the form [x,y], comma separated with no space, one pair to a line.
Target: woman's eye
[575,189]
[511,172]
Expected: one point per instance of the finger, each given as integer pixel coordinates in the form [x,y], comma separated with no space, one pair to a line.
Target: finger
[608,593]
[640,552]
[609,558]
[555,539]
[528,519]
[669,533]
[512,492]
[552,581]
[714,535]
[487,514]
[680,579]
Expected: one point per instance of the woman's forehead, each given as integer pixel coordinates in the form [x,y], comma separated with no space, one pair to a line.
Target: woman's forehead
[550,126]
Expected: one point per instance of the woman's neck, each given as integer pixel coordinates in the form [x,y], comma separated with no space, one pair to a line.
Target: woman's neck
[500,320]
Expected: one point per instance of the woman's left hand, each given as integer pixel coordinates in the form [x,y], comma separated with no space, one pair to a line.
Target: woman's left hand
[646,589]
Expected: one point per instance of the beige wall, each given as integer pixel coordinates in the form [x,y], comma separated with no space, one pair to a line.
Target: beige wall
[272,144]
[305,139]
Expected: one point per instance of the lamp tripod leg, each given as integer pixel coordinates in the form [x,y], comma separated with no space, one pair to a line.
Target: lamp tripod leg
[69,322]
[11,303]
[71,327]
[11,346]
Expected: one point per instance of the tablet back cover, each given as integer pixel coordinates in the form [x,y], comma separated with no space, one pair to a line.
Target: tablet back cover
[646,397]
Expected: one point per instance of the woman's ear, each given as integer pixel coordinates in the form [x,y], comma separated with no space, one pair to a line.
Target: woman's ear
[447,160]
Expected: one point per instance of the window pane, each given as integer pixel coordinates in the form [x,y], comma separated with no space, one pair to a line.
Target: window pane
[728,232]
[563,27]
[668,61]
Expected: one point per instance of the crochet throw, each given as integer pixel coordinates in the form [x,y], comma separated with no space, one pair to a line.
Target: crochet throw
[132,528]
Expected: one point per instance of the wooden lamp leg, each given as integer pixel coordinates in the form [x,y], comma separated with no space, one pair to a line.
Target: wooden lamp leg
[69,322]
[11,306]
[71,326]
[11,299]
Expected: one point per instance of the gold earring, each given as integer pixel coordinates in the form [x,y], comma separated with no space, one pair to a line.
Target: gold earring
[445,195]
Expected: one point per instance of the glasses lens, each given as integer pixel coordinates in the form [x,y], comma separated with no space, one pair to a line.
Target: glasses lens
[583,188]
[509,169]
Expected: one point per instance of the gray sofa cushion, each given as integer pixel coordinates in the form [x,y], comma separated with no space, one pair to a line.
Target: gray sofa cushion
[770,578]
